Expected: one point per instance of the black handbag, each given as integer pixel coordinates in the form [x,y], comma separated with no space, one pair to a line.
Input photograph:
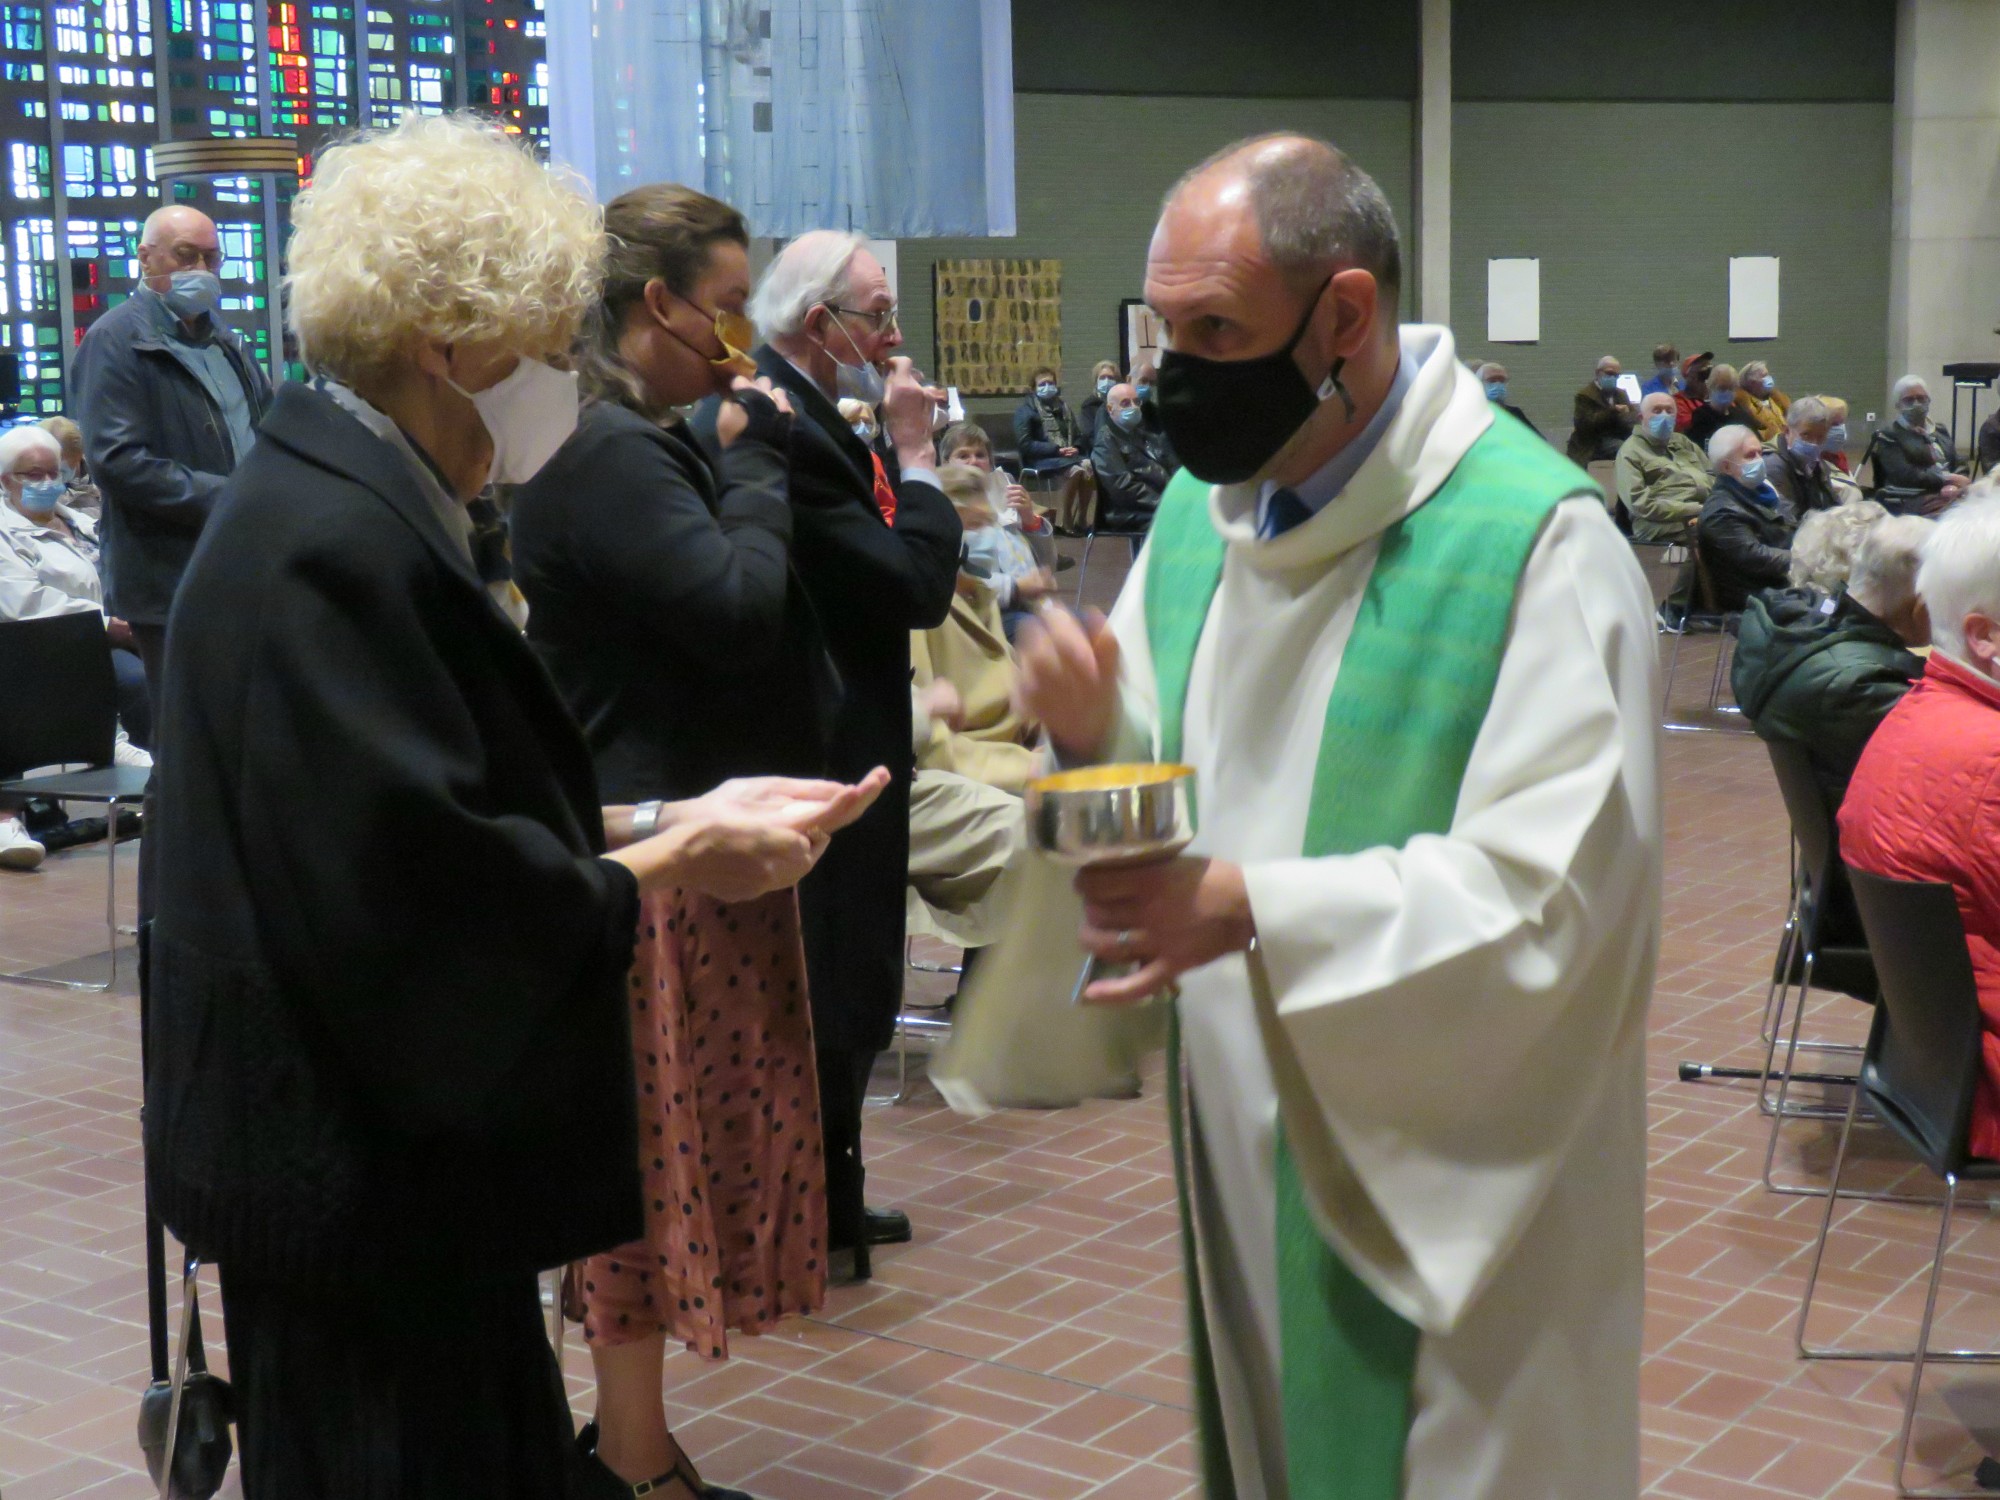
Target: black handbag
[184,1422]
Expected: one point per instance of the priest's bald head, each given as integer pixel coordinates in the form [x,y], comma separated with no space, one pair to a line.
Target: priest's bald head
[1274,269]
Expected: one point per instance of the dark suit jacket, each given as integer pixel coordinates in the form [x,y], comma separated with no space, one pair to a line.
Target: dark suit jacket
[389,1027]
[158,448]
[1805,487]
[1601,423]
[662,596]
[872,584]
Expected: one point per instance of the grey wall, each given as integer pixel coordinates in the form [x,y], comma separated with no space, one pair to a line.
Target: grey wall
[1634,211]
[1089,173]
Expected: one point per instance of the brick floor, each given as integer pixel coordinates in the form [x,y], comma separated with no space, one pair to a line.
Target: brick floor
[1029,1343]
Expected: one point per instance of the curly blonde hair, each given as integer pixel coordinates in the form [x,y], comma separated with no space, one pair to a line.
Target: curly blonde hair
[442,228]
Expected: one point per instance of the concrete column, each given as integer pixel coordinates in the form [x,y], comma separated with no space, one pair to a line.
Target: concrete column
[1433,130]
[1944,259]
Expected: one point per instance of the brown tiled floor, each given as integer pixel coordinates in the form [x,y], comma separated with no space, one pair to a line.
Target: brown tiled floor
[1029,1343]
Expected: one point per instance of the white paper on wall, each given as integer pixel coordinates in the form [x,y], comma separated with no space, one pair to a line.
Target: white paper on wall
[1513,301]
[1753,296]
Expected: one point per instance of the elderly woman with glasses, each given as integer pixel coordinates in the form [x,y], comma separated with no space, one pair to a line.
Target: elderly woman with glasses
[391,1064]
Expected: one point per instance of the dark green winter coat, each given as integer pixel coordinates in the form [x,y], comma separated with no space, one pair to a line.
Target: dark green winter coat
[1820,671]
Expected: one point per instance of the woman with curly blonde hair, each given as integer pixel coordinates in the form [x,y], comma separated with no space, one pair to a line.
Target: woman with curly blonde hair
[391,1075]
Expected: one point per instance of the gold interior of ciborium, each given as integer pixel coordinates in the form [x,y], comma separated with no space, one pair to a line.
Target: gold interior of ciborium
[1110,778]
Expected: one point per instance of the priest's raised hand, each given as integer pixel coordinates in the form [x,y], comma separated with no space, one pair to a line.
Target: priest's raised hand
[1069,680]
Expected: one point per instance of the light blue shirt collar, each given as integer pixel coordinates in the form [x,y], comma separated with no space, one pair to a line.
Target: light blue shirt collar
[1318,489]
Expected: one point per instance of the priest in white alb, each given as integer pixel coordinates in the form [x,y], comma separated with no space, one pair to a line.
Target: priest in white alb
[1412,664]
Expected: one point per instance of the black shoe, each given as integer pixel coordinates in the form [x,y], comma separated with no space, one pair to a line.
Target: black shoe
[603,1483]
[887,1226]
[1987,1475]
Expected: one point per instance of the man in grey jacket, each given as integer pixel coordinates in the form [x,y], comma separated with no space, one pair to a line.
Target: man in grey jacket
[169,404]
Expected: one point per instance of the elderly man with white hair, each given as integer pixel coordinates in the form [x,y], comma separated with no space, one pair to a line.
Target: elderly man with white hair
[1820,666]
[1604,415]
[876,544]
[1915,458]
[1663,479]
[1411,663]
[1492,377]
[1921,804]
[1745,529]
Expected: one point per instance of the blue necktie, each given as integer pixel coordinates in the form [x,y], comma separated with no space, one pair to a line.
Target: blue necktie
[1282,512]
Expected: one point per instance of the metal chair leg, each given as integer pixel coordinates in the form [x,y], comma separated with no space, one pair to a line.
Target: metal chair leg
[1924,1354]
[1083,564]
[1673,665]
[110,910]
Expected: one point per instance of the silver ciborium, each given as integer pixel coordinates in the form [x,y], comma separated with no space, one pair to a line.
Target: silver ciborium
[1110,815]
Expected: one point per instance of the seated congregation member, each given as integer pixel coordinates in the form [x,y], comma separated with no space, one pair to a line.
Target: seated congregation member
[1666,377]
[419,993]
[1798,468]
[1663,479]
[1914,454]
[1921,804]
[1986,448]
[1045,433]
[1131,462]
[1693,390]
[1493,378]
[1820,663]
[1017,547]
[860,416]
[663,600]
[1745,529]
[989,740]
[1720,410]
[1761,402]
[1604,416]
[84,495]
[1836,437]
[1103,376]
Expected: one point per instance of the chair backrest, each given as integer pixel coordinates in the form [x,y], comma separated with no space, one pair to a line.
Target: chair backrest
[1604,472]
[1926,1049]
[58,695]
[1812,820]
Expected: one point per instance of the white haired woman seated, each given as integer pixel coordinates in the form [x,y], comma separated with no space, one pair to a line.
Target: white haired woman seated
[391,1065]
[48,566]
[1916,463]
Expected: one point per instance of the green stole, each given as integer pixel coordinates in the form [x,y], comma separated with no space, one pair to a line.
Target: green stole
[1411,693]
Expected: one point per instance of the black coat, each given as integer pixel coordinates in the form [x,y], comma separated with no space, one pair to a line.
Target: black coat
[1905,459]
[159,449]
[389,1028]
[1707,422]
[1805,487]
[1132,474]
[662,597]
[1035,441]
[1745,543]
[872,584]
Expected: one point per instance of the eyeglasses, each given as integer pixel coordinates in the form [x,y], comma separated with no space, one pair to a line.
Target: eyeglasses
[882,322]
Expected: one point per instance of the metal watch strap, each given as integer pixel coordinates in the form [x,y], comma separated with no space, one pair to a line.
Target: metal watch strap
[645,820]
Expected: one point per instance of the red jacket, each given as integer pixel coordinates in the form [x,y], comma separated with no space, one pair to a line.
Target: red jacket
[1924,804]
[1685,406]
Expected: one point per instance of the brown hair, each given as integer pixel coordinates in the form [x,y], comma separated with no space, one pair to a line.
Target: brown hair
[664,232]
[963,435]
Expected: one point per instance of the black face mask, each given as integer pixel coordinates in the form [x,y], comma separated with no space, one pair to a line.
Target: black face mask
[1228,418]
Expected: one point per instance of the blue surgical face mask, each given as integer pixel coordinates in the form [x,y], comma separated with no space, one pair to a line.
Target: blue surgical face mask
[68,472]
[39,497]
[863,431]
[1046,390]
[1836,435]
[193,294]
[1104,384]
[1916,409]
[1144,392]
[1128,418]
[1722,400]
[1753,472]
[1808,452]
[1496,390]
[1607,382]
[1660,426]
[1669,376]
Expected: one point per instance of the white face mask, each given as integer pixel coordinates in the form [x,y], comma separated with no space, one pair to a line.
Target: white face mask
[859,381]
[528,415]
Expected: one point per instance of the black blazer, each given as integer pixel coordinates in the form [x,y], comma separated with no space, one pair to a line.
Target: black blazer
[389,1031]
[662,597]
[872,584]
[158,448]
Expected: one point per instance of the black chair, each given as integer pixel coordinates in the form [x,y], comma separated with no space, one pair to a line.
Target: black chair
[1136,535]
[1919,1073]
[59,707]
[1822,907]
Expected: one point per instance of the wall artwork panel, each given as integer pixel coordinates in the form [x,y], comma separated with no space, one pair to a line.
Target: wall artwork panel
[996,320]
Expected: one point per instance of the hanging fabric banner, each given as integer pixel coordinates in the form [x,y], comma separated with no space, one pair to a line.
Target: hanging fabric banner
[890,118]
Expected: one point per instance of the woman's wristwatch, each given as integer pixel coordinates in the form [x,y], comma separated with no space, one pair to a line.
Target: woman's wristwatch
[645,820]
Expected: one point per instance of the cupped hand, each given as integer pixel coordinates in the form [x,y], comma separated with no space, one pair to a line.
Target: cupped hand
[738,856]
[1068,679]
[1167,917]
